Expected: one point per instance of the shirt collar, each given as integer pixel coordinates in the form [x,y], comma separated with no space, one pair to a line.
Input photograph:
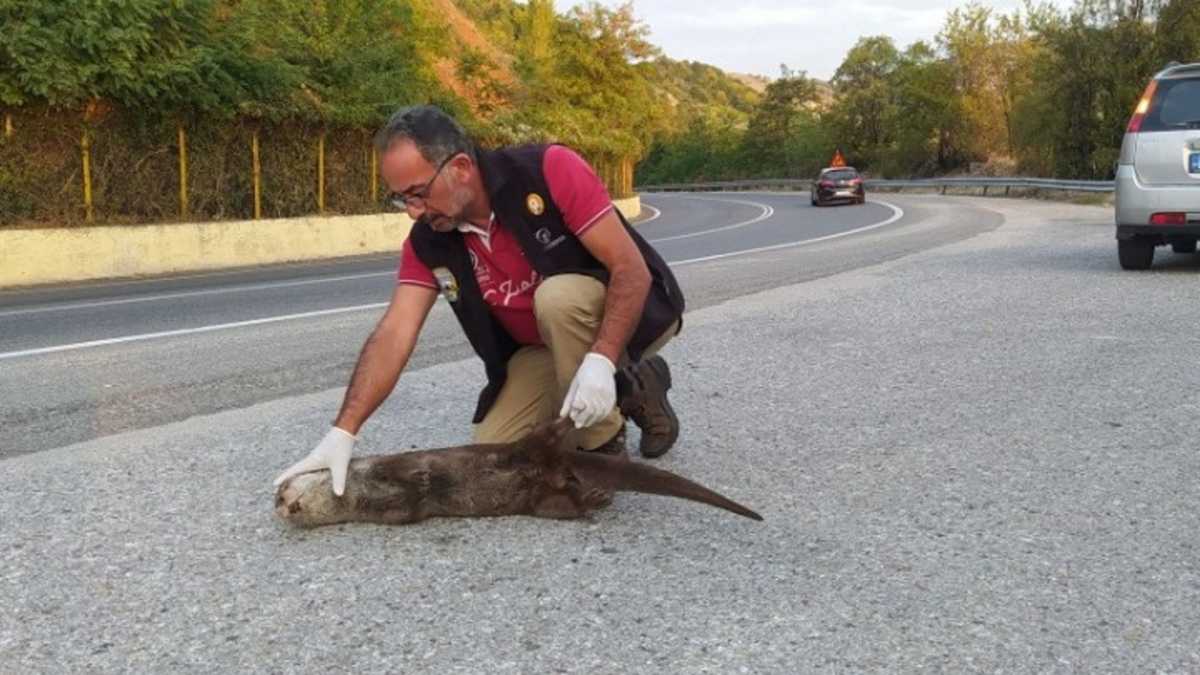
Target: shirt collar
[472,228]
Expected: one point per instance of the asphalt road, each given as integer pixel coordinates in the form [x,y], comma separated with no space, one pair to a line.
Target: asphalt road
[969,433]
[142,354]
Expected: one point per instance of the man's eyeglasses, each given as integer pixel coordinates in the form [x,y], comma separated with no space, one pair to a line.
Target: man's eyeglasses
[416,198]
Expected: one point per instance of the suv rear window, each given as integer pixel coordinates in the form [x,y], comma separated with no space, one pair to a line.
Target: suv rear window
[1176,106]
[840,174]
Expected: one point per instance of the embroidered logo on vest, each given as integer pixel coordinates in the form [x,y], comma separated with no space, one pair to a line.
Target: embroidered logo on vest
[543,237]
[447,283]
[535,204]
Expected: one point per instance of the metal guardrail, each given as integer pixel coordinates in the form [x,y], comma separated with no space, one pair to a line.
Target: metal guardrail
[942,184]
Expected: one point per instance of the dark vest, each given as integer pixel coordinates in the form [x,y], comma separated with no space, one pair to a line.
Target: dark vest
[513,178]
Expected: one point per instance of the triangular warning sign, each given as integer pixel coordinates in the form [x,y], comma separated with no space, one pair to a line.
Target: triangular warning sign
[838,159]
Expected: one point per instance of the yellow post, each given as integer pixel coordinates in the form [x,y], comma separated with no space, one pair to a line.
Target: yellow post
[8,129]
[321,173]
[257,175]
[183,174]
[374,173]
[86,149]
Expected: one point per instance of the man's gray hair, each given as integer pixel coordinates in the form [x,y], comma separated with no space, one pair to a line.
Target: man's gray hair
[436,134]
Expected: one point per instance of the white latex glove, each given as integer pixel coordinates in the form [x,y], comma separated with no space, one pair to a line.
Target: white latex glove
[333,453]
[593,392]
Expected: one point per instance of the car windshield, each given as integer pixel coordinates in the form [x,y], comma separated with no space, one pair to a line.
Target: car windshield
[1176,105]
[840,174]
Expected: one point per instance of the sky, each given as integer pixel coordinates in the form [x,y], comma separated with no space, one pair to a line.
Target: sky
[756,36]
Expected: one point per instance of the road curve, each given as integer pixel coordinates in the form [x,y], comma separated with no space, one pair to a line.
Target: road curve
[969,433]
[85,361]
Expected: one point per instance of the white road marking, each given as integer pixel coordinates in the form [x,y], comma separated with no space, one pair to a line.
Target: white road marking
[657,213]
[218,273]
[767,212]
[186,294]
[897,214]
[187,331]
[270,284]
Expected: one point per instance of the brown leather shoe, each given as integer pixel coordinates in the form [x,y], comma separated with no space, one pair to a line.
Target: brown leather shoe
[642,397]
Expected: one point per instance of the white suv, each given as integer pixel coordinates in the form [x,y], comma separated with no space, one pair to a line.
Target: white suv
[1158,175]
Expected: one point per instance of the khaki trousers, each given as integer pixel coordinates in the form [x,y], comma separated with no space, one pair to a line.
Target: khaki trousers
[569,308]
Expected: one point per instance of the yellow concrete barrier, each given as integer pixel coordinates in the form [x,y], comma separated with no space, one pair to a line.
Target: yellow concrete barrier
[37,256]
[631,207]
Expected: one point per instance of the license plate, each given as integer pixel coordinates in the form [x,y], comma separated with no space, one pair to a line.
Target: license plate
[1194,162]
[843,193]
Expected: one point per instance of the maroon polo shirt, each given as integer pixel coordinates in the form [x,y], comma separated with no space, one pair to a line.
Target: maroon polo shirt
[505,277]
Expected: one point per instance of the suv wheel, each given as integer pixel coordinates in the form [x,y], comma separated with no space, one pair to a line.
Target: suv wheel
[1184,246]
[1135,253]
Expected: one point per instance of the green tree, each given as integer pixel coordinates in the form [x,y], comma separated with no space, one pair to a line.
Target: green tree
[783,137]
[139,53]
[351,59]
[705,126]
[1016,52]
[929,126]
[862,118]
[538,43]
[707,149]
[1091,67]
[599,95]
[1177,32]
[974,51]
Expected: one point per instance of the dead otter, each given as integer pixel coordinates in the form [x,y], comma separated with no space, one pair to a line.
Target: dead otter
[535,476]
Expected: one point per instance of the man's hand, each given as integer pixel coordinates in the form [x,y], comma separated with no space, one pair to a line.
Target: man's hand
[333,453]
[593,392]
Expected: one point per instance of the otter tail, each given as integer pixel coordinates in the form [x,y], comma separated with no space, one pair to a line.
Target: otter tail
[622,474]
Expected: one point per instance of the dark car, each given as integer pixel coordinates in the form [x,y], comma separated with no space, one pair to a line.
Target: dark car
[838,184]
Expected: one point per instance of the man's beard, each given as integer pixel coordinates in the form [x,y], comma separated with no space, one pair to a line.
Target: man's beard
[453,218]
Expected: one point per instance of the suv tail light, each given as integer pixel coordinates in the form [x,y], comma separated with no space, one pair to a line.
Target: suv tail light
[1143,106]
[1168,219]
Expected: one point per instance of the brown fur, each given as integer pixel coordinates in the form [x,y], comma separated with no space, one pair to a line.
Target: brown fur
[535,476]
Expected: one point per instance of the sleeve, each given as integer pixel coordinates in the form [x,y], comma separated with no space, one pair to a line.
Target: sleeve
[412,270]
[575,188]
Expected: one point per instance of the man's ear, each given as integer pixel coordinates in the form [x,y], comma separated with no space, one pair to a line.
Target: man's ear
[462,166]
